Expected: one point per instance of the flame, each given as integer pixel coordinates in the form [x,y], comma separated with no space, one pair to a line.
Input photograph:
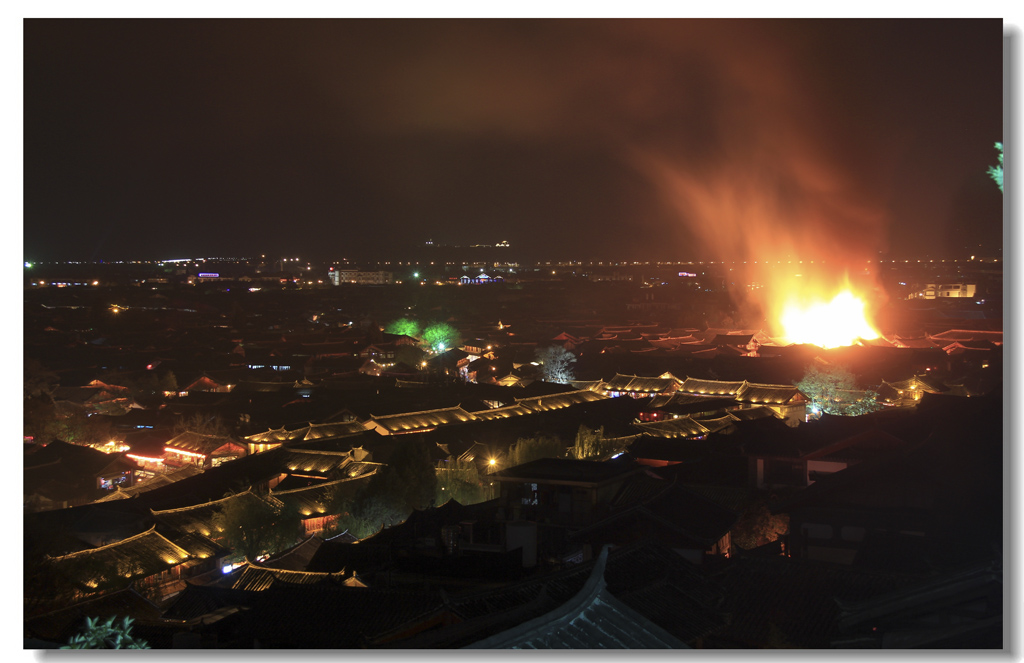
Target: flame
[828,324]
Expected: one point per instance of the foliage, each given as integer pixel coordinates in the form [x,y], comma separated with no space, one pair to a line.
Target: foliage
[440,336]
[38,381]
[371,514]
[409,476]
[556,363]
[149,384]
[254,530]
[531,448]
[111,634]
[403,326]
[757,525]
[459,480]
[77,428]
[996,172]
[590,444]
[409,355]
[829,389]
[203,424]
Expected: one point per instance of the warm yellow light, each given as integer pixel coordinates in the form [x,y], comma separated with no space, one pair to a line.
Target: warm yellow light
[828,325]
[492,462]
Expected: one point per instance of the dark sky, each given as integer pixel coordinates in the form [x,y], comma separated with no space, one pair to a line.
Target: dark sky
[621,139]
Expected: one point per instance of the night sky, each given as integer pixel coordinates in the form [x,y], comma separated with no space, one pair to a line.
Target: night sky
[583,139]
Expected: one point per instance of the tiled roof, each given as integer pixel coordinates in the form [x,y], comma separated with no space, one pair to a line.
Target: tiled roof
[502,412]
[319,462]
[719,424]
[711,387]
[150,484]
[60,625]
[137,556]
[751,413]
[648,577]
[635,384]
[199,443]
[767,393]
[199,517]
[967,335]
[558,401]
[257,578]
[332,430]
[592,619]
[277,436]
[314,499]
[681,427]
[418,421]
[297,557]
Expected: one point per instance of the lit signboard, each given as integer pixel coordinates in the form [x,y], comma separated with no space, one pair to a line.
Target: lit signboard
[209,275]
[687,274]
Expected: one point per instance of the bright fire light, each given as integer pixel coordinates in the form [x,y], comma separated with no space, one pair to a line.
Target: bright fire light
[828,325]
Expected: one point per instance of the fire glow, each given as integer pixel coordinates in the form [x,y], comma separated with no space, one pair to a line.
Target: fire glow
[828,324]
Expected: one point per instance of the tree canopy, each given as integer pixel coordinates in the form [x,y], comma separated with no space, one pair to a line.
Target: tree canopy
[254,530]
[403,326]
[440,336]
[996,172]
[833,390]
[544,445]
[556,363]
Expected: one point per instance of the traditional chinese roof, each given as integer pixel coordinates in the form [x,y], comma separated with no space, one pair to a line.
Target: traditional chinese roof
[297,557]
[514,410]
[203,444]
[138,556]
[592,619]
[257,578]
[710,387]
[718,424]
[419,421]
[199,518]
[305,461]
[681,427]
[776,394]
[313,500]
[277,436]
[917,383]
[157,481]
[917,343]
[751,413]
[648,577]
[558,401]
[58,626]
[945,337]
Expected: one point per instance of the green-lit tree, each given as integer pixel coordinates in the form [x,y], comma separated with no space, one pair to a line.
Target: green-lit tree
[829,389]
[440,336]
[556,363]
[996,172]
[403,326]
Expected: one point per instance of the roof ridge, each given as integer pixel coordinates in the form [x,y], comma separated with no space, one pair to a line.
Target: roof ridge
[152,530]
[199,506]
